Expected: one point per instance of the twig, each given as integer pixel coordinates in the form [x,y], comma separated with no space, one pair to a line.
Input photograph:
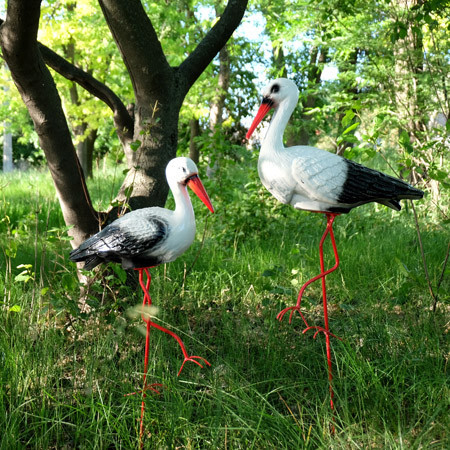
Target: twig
[441,278]
[425,266]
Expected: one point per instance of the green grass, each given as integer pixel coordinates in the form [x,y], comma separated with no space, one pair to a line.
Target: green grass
[63,375]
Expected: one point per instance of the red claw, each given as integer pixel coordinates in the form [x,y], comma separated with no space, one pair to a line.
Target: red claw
[281,314]
[192,358]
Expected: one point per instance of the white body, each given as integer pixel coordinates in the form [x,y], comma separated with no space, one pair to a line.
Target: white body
[302,176]
[149,236]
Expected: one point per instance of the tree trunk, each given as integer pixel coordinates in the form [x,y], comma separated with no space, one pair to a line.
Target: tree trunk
[35,84]
[85,148]
[8,165]
[194,131]
[217,105]
[315,68]
[84,144]
[149,137]
[223,84]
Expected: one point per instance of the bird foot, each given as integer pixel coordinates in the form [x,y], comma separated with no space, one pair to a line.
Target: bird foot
[320,330]
[282,313]
[149,387]
[194,360]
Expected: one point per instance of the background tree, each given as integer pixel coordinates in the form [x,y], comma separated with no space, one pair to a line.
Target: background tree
[148,134]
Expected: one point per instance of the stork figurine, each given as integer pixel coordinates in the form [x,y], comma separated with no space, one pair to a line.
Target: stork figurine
[315,180]
[148,237]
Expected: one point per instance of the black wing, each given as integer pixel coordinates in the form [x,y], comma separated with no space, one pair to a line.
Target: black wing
[364,185]
[123,239]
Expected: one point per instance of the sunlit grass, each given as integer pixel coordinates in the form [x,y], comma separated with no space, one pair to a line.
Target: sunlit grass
[63,377]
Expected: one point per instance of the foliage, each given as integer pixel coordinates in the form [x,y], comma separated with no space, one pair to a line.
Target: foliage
[390,86]
[390,94]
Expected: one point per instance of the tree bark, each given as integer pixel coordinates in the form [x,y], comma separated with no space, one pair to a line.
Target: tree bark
[218,104]
[317,59]
[194,131]
[85,148]
[159,92]
[8,165]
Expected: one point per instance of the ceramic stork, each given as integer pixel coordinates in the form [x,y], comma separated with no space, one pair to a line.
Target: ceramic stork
[148,237]
[315,180]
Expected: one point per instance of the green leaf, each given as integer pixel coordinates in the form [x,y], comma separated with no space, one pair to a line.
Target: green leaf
[15,308]
[135,145]
[346,120]
[405,141]
[351,128]
[24,276]
[402,33]
[438,175]
[312,111]
[393,37]
[121,274]
[128,190]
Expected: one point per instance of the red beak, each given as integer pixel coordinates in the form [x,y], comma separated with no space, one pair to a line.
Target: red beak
[265,107]
[197,186]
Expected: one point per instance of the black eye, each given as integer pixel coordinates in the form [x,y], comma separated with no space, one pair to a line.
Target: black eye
[275,89]
[184,169]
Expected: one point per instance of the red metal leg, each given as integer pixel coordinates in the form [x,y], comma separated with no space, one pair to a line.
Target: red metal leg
[325,329]
[165,330]
[322,275]
[147,302]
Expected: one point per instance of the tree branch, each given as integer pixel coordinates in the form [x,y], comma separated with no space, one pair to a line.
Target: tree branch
[193,66]
[138,44]
[122,119]
[18,40]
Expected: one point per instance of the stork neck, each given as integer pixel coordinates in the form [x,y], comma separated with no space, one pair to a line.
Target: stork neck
[274,137]
[183,205]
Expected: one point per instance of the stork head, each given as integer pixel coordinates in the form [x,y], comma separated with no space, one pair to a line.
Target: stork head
[184,172]
[274,93]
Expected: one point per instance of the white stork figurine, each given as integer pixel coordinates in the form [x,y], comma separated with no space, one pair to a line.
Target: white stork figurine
[148,237]
[315,180]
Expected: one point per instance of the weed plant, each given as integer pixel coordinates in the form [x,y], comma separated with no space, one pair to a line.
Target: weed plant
[64,374]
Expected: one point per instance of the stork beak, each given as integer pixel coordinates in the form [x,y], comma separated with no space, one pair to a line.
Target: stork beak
[265,107]
[197,186]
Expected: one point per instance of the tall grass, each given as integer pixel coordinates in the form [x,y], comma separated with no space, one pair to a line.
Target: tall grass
[64,375]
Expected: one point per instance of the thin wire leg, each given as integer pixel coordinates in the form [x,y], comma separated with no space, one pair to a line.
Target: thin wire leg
[326,328]
[322,275]
[193,358]
[147,302]
[183,348]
